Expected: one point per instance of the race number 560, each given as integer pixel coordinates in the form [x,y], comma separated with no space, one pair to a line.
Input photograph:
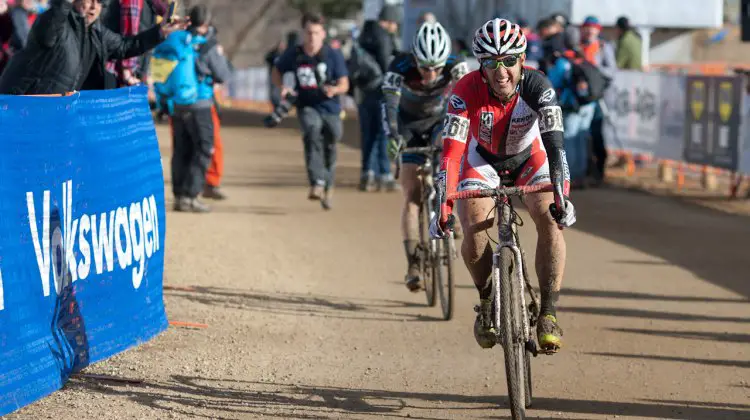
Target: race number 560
[456,128]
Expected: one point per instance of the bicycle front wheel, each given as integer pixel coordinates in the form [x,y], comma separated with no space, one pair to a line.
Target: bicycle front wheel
[511,329]
[443,274]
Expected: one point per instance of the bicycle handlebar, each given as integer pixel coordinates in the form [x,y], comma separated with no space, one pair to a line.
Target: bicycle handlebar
[502,191]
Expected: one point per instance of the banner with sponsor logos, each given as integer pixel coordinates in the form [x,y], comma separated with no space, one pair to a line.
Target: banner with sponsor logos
[632,103]
[82,226]
[714,115]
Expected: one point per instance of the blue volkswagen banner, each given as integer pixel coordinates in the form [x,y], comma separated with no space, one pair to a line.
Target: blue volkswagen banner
[82,227]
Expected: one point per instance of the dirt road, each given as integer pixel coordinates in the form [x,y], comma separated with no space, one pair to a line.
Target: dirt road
[308,317]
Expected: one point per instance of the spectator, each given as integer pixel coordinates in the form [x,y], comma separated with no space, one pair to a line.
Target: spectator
[321,75]
[552,37]
[128,18]
[271,56]
[460,48]
[379,41]
[576,117]
[192,117]
[572,34]
[6,31]
[68,50]
[533,41]
[424,17]
[215,170]
[628,46]
[23,17]
[600,52]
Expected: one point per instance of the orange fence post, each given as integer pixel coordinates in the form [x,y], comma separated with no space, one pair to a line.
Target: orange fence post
[630,164]
[680,176]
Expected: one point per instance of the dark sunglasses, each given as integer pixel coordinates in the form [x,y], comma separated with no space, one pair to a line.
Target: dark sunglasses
[495,63]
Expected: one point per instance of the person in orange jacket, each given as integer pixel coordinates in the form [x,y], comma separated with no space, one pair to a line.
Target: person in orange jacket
[216,169]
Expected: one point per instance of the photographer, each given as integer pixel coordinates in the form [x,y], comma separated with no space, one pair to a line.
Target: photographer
[321,75]
[68,49]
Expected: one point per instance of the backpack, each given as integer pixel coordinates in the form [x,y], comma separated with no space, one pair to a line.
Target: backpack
[364,70]
[586,71]
[173,69]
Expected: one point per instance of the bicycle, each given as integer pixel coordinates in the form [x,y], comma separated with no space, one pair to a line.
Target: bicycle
[512,319]
[436,256]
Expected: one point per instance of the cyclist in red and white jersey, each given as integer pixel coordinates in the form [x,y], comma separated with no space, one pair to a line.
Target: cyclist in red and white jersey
[504,124]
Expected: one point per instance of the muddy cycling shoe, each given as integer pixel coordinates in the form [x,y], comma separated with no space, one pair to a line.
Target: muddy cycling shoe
[414,278]
[549,334]
[484,333]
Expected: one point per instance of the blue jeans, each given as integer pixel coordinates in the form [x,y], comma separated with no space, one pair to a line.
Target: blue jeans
[374,143]
[577,126]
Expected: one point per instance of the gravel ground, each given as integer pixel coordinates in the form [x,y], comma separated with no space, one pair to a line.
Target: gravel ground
[308,318]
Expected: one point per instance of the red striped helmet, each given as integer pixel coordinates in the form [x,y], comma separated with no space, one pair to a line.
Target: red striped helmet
[498,37]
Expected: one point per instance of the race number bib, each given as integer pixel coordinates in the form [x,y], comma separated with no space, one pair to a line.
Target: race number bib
[161,69]
[392,81]
[456,128]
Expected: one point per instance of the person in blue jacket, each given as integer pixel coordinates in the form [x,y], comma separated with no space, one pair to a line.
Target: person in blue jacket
[557,65]
[188,95]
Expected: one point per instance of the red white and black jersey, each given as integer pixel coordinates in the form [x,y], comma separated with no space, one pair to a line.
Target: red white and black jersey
[531,120]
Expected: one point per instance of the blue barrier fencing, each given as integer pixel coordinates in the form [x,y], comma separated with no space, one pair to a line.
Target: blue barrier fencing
[82,230]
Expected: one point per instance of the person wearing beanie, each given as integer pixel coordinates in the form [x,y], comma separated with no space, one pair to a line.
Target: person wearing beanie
[628,52]
[379,39]
[193,122]
[602,53]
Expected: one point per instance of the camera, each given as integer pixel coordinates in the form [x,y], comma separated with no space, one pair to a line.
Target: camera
[281,111]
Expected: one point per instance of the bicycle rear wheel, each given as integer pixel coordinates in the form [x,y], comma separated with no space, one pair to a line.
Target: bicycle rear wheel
[443,274]
[511,329]
[426,258]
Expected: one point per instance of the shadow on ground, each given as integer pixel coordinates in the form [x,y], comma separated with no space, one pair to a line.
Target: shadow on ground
[709,243]
[229,398]
[300,304]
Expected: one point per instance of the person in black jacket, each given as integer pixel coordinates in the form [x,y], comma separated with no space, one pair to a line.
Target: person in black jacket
[378,39]
[68,49]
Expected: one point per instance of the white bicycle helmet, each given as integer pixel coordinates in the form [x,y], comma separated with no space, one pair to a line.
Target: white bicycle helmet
[498,37]
[432,45]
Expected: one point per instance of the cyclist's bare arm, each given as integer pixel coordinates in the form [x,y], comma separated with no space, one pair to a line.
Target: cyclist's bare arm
[454,137]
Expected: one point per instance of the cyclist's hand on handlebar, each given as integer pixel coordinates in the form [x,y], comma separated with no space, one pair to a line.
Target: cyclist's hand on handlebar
[439,229]
[442,223]
[394,146]
[565,217]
